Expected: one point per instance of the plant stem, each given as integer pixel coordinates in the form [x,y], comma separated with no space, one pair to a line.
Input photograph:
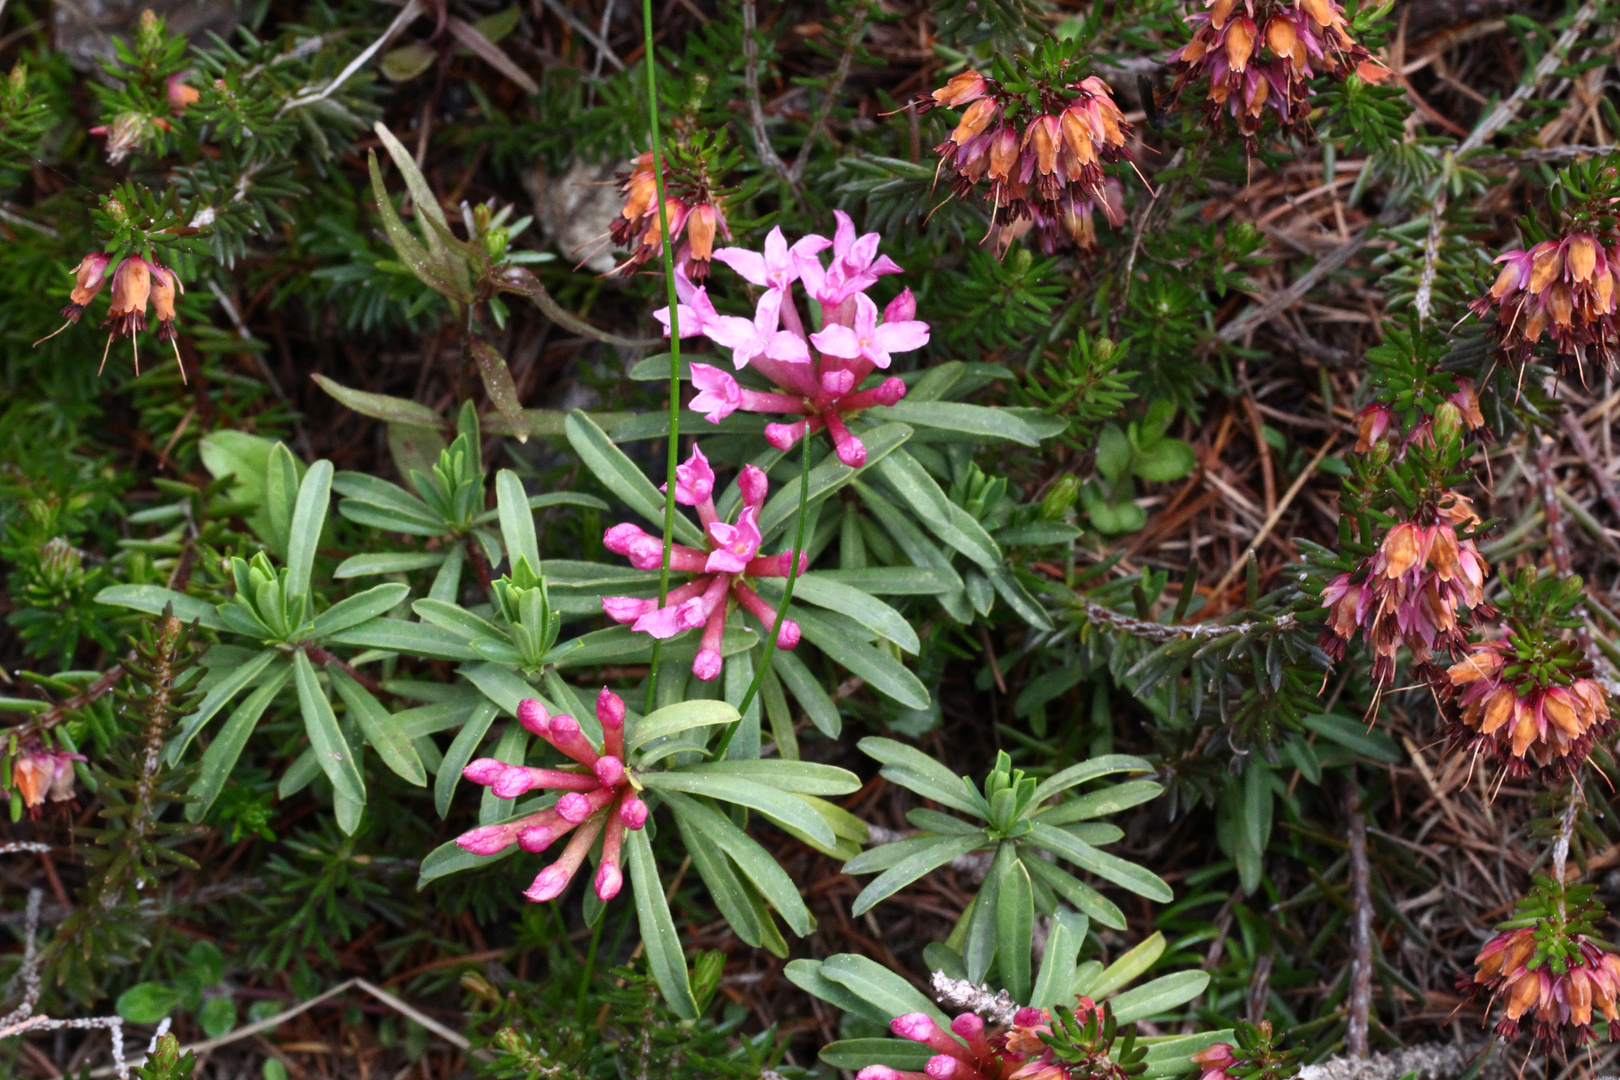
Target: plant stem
[674,337]
[781,612]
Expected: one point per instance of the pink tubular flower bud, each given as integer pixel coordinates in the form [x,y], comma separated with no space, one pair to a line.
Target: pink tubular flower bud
[707,664]
[788,637]
[485,771]
[536,838]
[549,884]
[622,536]
[838,382]
[1029,1016]
[885,1072]
[609,880]
[609,770]
[610,714]
[850,450]
[533,716]
[753,484]
[968,1027]
[919,1027]
[626,609]
[632,811]
[555,878]
[902,308]
[487,839]
[946,1067]
[565,735]
[515,780]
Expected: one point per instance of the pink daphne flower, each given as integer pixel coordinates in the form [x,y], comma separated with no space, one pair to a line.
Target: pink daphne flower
[819,375]
[598,799]
[721,572]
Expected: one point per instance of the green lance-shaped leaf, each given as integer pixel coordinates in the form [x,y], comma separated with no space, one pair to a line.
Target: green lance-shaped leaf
[1127,875]
[658,934]
[517,520]
[359,608]
[382,730]
[332,751]
[500,387]
[380,406]
[152,599]
[222,754]
[304,534]
[622,476]
[911,768]
[1015,925]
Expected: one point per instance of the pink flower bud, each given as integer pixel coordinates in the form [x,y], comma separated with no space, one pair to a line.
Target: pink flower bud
[533,716]
[788,636]
[946,1067]
[610,709]
[512,782]
[625,609]
[968,1026]
[890,390]
[902,308]
[915,1026]
[1028,1016]
[486,839]
[753,483]
[573,807]
[609,770]
[549,884]
[781,436]
[485,771]
[565,735]
[837,383]
[633,812]
[537,838]
[619,538]
[707,665]
[609,880]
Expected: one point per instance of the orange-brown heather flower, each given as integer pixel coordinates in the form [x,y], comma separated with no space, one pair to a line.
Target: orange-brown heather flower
[1564,288]
[690,204]
[1265,53]
[1509,968]
[1500,708]
[38,774]
[89,276]
[1040,167]
[1415,590]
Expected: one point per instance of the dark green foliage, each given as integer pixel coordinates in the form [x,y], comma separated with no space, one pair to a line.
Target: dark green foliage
[135,848]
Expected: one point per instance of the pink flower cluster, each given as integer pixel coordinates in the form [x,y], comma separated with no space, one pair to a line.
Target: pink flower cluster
[818,374]
[1565,287]
[598,799]
[721,571]
[1214,1060]
[968,1053]
[1409,591]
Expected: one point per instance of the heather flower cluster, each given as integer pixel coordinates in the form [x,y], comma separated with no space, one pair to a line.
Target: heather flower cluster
[1265,52]
[1504,710]
[40,774]
[1044,169]
[818,375]
[1378,419]
[1512,966]
[1410,591]
[135,282]
[690,202]
[598,800]
[720,573]
[1564,288]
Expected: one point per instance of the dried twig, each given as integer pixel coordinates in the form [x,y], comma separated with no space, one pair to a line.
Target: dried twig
[818,124]
[756,110]
[959,994]
[1159,633]
[22,1019]
[1360,1001]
